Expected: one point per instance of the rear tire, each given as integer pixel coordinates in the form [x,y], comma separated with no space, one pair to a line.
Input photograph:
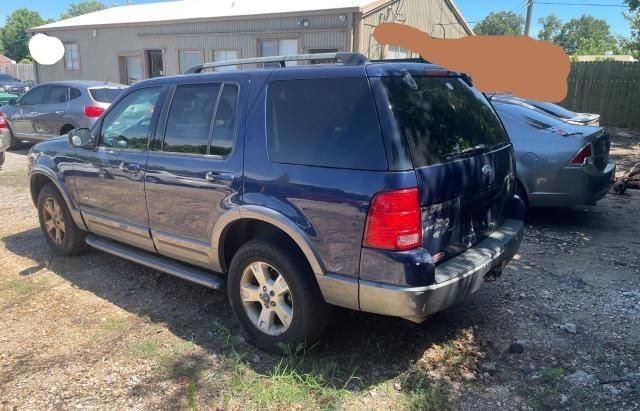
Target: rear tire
[14,144]
[273,319]
[60,231]
[1,158]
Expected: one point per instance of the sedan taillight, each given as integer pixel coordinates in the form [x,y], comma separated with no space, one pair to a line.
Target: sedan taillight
[582,155]
[3,122]
[93,111]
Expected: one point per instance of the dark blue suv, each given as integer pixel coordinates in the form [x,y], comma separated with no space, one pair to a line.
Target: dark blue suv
[385,187]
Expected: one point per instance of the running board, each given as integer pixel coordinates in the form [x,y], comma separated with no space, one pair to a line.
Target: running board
[156,262]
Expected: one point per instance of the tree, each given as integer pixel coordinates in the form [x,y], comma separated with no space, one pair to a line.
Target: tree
[632,43]
[551,27]
[633,4]
[84,7]
[15,39]
[504,23]
[586,35]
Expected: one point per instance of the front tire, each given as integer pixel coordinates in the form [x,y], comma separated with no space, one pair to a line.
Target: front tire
[60,231]
[275,297]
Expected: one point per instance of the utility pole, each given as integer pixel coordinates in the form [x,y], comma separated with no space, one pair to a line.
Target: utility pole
[527,26]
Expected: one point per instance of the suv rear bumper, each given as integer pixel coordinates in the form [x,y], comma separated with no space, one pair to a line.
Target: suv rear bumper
[465,272]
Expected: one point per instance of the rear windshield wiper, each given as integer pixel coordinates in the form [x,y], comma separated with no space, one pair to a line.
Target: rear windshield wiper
[466,152]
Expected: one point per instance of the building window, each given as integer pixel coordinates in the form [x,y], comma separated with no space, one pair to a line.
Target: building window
[225,55]
[282,47]
[189,58]
[395,52]
[71,57]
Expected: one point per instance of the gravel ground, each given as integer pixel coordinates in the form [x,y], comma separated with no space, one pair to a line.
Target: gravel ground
[558,330]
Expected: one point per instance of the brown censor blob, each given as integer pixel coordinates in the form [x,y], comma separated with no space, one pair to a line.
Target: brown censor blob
[528,68]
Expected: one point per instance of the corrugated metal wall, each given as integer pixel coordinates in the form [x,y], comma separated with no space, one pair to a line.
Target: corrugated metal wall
[99,53]
[99,50]
[431,16]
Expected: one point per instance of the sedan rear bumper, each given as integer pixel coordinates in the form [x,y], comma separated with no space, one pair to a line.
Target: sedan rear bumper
[5,139]
[569,187]
[464,274]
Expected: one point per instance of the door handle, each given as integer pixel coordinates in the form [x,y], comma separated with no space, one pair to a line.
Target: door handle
[129,167]
[59,112]
[219,178]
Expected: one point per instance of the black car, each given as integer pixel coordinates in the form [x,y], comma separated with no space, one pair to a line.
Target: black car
[11,85]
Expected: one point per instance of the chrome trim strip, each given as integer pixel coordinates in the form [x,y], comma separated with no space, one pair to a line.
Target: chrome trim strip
[339,290]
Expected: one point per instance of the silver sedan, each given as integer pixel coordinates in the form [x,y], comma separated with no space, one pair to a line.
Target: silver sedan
[53,109]
[558,164]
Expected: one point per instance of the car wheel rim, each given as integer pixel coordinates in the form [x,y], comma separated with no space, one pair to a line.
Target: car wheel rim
[266,298]
[54,221]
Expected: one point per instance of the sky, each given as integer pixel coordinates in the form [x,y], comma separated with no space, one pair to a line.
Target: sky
[473,10]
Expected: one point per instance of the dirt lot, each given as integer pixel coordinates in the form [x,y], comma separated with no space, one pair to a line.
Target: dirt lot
[99,332]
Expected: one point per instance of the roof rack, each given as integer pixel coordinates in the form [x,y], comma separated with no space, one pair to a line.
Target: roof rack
[349,59]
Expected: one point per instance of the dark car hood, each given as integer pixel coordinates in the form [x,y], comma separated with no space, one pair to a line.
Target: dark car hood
[54,145]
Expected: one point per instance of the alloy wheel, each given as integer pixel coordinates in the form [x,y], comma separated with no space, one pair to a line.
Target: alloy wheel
[266,298]
[54,221]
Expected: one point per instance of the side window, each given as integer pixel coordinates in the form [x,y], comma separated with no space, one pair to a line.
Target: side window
[74,93]
[224,127]
[128,124]
[189,120]
[308,125]
[57,95]
[35,96]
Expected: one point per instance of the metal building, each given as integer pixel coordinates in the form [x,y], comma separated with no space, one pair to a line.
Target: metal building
[126,44]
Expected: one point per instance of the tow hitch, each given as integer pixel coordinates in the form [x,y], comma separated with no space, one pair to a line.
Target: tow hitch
[495,272]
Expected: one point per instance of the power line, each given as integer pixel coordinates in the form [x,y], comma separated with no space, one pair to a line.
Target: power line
[580,4]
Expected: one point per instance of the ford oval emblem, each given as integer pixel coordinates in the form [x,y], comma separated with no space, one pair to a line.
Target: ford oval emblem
[487,170]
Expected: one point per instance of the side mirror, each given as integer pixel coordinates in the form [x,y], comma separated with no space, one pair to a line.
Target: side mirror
[121,142]
[81,137]
[13,102]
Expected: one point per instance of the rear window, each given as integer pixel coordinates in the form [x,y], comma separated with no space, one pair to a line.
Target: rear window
[324,122]
[105,95]
[443,118]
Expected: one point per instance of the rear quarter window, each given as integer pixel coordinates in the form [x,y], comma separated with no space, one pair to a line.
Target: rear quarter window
[324,122]
[105,95]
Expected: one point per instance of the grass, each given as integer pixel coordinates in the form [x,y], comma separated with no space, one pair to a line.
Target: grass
[425,398]
[283,387]
[550,375]
[191,396]
[147,348]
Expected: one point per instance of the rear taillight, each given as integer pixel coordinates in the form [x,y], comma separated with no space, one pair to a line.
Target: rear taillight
[93,111]
[3,122]
[393,222]
[584,154]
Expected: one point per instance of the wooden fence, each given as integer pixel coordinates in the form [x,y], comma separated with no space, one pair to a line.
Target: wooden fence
[20,71]
[610,88]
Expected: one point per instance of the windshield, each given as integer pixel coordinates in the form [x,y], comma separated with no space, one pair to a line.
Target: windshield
[6,77]
[443,118]
[105,95]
